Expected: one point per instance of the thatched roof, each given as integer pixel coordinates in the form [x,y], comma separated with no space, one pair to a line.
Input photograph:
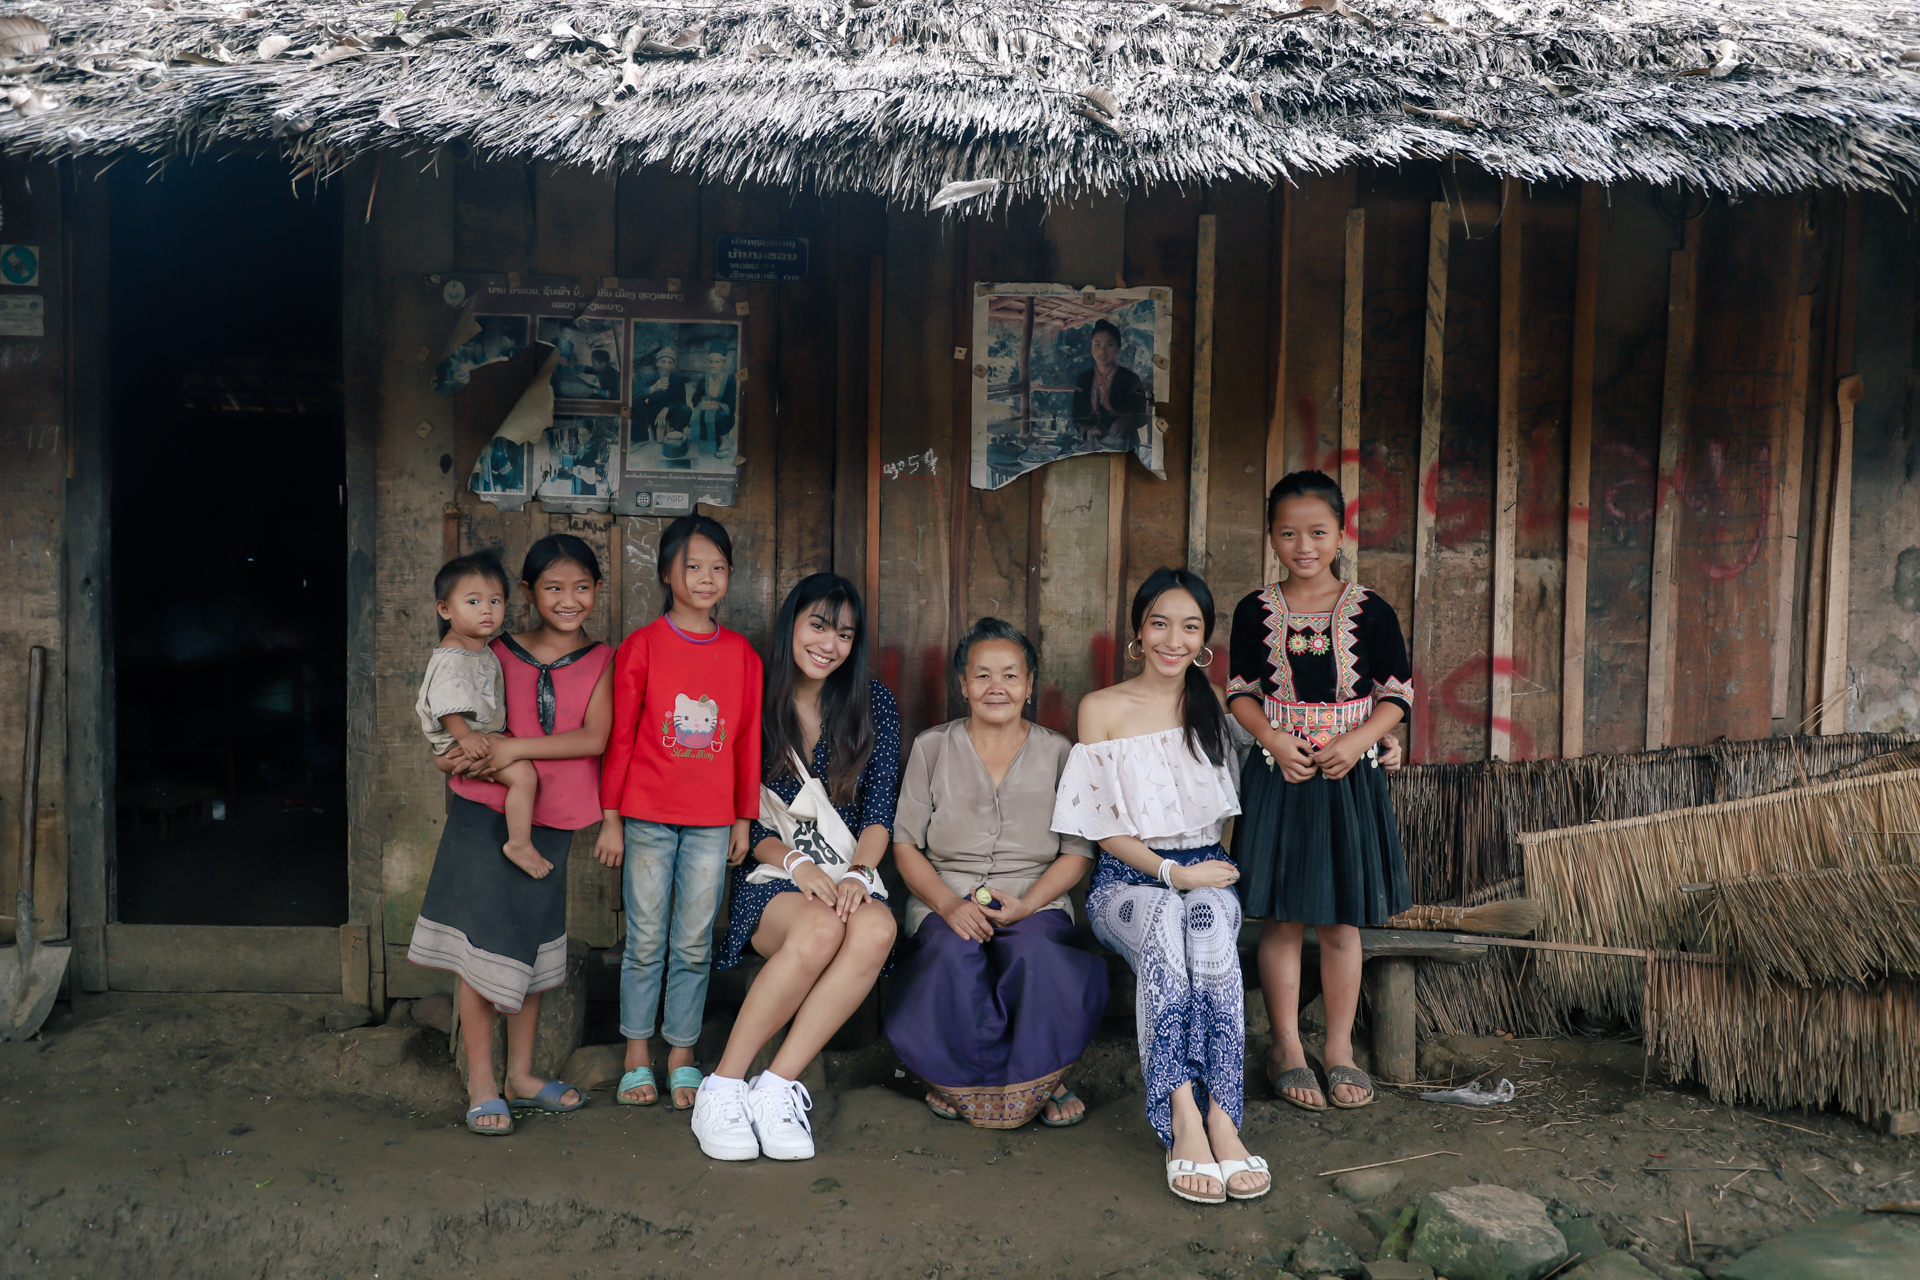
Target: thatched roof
[902,97]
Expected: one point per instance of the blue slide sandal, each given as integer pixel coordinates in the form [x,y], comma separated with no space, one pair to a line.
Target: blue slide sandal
[548,1099]
[491,1107]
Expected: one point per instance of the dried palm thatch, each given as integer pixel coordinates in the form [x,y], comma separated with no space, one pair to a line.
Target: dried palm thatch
[1047,98]
[1833,924]
[1514,917]
[1619,883]
[1748,1040]
[1491,994]
[1459,822]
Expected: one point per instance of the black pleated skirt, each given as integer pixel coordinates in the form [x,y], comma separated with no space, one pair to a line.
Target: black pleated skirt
[1320,851]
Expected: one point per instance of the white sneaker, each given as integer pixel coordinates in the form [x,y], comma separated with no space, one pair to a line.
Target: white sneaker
[779,1112]
[720,1120]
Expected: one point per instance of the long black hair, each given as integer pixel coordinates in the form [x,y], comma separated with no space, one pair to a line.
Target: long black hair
[673,543]
[558,548]
[478,564]
[1200,711]
[846,712]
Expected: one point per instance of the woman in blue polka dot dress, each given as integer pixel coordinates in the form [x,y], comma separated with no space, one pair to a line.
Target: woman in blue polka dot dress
[824,940]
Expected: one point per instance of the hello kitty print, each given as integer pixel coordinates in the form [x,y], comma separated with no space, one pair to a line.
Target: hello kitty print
[695,729]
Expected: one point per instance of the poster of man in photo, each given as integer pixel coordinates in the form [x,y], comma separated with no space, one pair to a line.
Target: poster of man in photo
[500,473]
[575,471]
[500,338]
[1059,372]
[683,434]
[588,357]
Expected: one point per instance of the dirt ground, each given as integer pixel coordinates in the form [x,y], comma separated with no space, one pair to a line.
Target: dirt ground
[232,1136]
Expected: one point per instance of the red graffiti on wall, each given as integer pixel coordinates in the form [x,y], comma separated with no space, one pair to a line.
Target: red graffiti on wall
[1714,498]
[1453,694]
[1379,485]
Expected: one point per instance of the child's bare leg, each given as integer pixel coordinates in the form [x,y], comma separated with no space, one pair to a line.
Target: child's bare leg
[523,785]
[522,1027]
[476,1033]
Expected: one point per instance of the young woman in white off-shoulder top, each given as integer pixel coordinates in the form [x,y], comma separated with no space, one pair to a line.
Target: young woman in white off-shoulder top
[1150,782]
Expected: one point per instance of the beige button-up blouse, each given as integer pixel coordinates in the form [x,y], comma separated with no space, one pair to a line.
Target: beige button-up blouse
[974,834]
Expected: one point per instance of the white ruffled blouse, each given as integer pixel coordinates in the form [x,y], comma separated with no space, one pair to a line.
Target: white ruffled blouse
[1150,787]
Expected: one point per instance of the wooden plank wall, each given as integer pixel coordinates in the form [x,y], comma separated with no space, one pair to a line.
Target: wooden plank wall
[34,457]
[1060,551]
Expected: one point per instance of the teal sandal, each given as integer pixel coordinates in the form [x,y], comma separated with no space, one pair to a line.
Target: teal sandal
[638,1078]
[683,1078]
[1060,1100]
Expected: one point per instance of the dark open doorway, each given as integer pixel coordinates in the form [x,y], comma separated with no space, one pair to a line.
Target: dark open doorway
[229,541]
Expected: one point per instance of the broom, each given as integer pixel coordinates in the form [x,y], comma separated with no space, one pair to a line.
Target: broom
[1510,917]
[1874,929]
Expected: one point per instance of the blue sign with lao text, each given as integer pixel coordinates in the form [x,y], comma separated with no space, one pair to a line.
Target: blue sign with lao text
[763,258]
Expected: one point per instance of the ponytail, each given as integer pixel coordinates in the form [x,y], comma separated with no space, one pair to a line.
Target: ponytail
[1201,715]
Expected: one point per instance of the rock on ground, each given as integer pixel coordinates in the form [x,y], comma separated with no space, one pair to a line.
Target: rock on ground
[1615,1264]
[1363,1185]
[1324,1254]
[1843,1246]
[1486,1233]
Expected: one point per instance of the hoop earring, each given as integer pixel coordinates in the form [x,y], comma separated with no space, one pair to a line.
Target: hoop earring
[1208,650]
[1132,645]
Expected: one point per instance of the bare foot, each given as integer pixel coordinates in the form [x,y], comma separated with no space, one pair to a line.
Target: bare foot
[678,1057]
[1347,1093]
[529,1086]
[1194,1147]
[523,855]
[933,1100]
[1060,1107]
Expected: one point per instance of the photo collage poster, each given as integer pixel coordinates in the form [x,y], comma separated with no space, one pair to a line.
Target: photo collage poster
[643,399]
[1060,372]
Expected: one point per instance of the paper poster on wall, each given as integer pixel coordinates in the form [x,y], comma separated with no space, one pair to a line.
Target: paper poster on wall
[576,470]
[1059,372]
[491,318]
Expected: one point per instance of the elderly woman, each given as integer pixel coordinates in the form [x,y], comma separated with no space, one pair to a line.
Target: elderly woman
[992,1003]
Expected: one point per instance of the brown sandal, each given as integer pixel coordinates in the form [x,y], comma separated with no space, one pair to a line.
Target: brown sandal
[1297,1078]
[1337,1076]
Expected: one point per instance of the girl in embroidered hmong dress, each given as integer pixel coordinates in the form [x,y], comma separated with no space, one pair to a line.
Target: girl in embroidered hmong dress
[1150,783]
[1319,675]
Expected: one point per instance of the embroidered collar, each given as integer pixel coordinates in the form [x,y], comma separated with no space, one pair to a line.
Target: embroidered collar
[1283,624]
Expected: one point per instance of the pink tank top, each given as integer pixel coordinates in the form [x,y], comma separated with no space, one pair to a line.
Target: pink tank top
[569,796]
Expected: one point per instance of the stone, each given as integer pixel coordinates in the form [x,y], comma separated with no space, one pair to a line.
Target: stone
[435,1011]
[1387,1269]
[1901,1124]
[1614,1264]
[595,1066]
[1379,1218]
[1842,1246]
[1486,1233]
[1363,1185]
[1577,1226]
[1324,1254]
[1399,1237]
[348,1016]
[563,1016]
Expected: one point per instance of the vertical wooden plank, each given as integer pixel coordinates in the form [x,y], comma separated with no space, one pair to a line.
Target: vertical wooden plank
[1279,267]
[356,973]
[1506,498]
[35,466]
[914,504]
[1352,326]
[1837,333]
[396,499]
[1787,503]
[1833,679]
[1202,425]
[90,706]
[960,450]
[1675,387]
[876,336]
[1573,658]
[1107,667]
[1432,425]
[1008,248]
[859,228]
[494,207]
[1086,242]
[804,396]
[1241,417]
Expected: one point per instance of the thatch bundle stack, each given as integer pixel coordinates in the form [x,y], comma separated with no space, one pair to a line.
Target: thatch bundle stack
[1836,924]
[1749,1040]
[1460,825]
[1619,884]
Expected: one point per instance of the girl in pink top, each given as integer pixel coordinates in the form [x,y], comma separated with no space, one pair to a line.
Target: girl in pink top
[501,930]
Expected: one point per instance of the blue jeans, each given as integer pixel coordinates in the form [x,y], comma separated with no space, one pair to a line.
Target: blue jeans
[690,865]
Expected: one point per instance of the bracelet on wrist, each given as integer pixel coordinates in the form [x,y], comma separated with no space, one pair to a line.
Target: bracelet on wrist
[1165,874]
[786,863]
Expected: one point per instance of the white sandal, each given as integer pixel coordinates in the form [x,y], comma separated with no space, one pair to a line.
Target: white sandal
[1193,1169]
[1252,1164]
